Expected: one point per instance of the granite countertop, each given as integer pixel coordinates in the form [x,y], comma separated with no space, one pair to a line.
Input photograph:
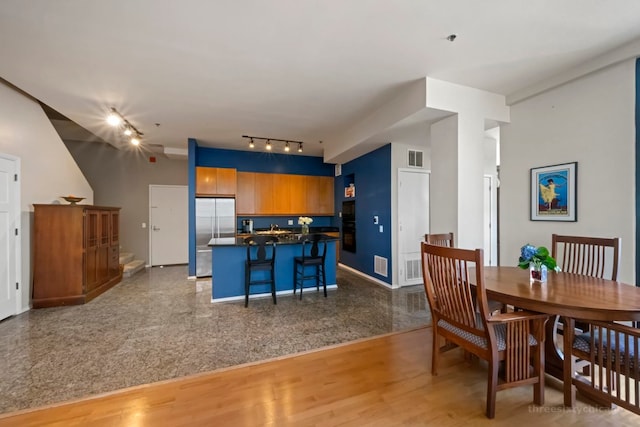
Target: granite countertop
[284,239]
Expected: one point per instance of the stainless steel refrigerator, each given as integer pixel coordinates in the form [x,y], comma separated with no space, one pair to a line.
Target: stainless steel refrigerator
[215,217]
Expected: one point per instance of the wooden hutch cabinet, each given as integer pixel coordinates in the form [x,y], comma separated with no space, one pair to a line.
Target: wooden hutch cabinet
[76,253]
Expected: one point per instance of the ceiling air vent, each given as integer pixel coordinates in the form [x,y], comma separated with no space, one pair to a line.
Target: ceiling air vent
[415,158]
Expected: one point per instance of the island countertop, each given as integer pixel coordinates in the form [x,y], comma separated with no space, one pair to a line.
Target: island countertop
[283,239]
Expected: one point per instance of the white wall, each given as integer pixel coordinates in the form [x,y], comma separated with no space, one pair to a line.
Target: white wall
[591,121]
[415,138]
[47,168]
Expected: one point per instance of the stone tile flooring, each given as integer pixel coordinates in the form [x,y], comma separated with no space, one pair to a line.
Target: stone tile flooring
[158,325]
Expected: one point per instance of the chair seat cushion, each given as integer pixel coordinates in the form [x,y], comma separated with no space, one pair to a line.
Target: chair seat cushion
[582,342]
[500,329]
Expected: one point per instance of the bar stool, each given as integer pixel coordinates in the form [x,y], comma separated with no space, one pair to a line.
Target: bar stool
[261,256]
[314,252]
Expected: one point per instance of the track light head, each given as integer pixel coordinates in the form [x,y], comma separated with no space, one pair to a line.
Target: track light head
[268,146]
[135,141]
[299,147]
[127,131]
[251,144]
[114,119]
[286,147]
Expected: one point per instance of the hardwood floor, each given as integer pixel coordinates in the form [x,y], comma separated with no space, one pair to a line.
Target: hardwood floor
[381,381]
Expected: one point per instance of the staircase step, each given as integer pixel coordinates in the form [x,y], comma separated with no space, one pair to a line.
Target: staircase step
[126,257]
[132,267]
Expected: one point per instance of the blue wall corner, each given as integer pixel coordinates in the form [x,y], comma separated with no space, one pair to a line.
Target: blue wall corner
[193,146]
[371,175]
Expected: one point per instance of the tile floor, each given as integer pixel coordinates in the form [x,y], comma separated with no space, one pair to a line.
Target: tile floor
[158,325]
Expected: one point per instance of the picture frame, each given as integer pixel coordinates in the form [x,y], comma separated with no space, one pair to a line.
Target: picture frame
[553,192]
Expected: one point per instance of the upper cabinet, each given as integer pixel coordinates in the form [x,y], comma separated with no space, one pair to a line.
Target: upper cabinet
[284,194]
[215,181]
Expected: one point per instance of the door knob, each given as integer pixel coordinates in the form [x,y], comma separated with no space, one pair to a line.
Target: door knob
[154,228]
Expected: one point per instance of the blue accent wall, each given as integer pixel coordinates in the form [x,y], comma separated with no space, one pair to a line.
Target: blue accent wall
[371,175]
[248,161]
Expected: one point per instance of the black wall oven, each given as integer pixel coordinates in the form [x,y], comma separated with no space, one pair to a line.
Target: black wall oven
[349,226]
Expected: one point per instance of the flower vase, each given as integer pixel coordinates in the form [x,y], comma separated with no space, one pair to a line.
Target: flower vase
[305,228]
[538,274]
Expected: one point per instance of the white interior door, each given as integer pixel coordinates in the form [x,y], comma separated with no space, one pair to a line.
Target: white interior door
[413,223]
[168,224]
[9,224]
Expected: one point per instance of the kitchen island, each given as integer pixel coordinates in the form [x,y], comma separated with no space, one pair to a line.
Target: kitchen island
[228,262]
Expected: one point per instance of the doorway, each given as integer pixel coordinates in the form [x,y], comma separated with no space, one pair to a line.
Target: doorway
[413,223]
[9,235]
[168,225]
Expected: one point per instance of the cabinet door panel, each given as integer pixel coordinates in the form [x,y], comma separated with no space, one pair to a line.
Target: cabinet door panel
[226,182]
[298,194]
[245,193]
[281,188]
[320,195]
[264,200]
[206,181]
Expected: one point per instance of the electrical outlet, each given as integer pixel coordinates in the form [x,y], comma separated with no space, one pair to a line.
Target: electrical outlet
[290,222]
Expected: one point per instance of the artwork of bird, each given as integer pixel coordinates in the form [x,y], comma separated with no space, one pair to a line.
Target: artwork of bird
[548,192]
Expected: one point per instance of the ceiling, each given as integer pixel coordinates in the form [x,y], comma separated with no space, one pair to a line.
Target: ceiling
[285,69]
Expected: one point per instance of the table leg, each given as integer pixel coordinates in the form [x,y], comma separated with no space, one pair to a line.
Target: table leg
[554,357]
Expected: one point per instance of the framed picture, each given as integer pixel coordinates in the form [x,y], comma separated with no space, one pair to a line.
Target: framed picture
[554,193]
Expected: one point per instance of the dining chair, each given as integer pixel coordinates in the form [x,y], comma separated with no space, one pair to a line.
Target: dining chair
[442,239]
[517,338]
[261,256]
[314,254]
[447,240]
[590,256]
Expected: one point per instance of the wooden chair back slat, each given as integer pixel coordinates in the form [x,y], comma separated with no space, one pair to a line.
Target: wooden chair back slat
[590,256]
[441,239]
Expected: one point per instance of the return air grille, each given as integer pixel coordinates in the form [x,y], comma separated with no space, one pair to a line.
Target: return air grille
[415,158]
[380,265]
[413,269]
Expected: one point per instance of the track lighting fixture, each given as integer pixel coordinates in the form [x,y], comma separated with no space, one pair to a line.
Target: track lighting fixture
[116,119]
[269,143]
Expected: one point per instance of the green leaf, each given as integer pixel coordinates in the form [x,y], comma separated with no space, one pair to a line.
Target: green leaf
[542,252]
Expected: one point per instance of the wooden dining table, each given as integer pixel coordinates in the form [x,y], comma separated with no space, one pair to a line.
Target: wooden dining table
[568,295]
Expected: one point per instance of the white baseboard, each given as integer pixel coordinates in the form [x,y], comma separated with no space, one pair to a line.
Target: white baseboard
[366,276]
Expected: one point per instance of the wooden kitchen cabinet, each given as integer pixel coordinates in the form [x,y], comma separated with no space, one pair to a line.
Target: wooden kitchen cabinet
[245,197]
[319,195]
[215,181]
[284,194]
[76,253]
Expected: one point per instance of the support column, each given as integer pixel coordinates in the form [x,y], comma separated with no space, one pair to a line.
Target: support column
[457,159]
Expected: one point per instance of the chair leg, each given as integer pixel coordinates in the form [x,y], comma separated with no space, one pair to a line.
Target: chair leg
[295,277]
[301,280]
[568,367]
[273,286]
[538,370]
[247,276]
[324,281]
[317,278]
[492,389]
[435,351]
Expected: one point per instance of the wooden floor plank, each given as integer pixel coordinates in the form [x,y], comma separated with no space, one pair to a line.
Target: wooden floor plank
[382,381]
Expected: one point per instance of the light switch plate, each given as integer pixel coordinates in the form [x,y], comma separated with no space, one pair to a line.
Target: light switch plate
[381,229]
[290,222]
[375,219]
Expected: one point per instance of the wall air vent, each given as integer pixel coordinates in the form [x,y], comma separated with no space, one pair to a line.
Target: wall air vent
[415,158]
[380,265]
[413,269]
